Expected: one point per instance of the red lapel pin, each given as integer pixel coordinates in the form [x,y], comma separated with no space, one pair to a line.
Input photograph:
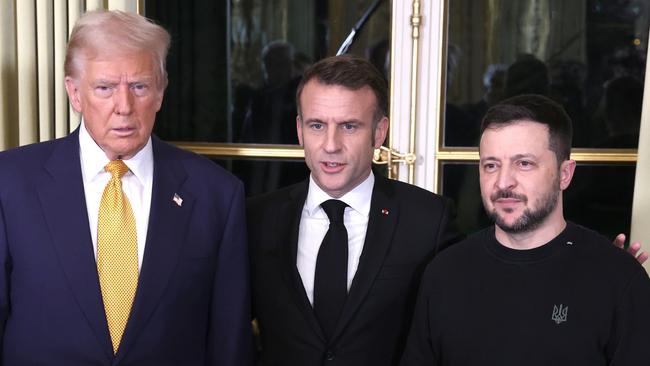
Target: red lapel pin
[384,211]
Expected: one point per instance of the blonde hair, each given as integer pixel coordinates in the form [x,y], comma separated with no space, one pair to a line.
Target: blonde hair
[116,33]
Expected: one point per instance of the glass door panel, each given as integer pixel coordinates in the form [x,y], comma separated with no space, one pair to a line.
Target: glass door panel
[233,71]
[234,65]
[589,55]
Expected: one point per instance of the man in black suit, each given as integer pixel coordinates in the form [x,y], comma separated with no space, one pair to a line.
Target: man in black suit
[318,301]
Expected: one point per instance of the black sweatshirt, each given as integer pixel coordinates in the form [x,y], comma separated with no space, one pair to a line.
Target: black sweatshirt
[577,300]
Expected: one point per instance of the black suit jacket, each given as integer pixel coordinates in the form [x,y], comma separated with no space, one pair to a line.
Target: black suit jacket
[407,226]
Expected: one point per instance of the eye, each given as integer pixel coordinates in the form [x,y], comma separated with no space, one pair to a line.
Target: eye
[349,127]
[526,164]
[140,89]
[489,167]
[103,91]
[316,126]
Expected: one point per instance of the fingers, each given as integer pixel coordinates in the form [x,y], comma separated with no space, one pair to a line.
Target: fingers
[634,249]
[619,240]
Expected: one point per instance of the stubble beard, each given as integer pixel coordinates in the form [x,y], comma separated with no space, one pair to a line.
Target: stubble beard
[530,219]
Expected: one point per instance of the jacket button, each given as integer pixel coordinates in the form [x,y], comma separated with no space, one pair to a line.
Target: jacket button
[329,356]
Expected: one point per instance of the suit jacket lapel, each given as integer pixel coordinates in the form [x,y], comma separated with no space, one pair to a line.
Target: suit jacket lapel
[289,240]
[168,223]
[382,220]
[61,194]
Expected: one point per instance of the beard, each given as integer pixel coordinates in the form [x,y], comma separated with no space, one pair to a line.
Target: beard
[531,218]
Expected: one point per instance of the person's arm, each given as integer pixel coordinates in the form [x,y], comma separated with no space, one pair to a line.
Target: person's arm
[448,232]
[634,249]
[630,337]
[229,341]
[419,346]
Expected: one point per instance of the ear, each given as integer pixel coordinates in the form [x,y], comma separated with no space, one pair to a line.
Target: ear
[72,88]
[380,132]
[299,129]
[567,168]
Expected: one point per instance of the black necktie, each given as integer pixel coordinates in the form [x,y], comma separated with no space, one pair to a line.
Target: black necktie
[331,277]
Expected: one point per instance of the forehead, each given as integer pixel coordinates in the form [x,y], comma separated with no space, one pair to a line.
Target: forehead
[129,64]
[332,99]
[519,137]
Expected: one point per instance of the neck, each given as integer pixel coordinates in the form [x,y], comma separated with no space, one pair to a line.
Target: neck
[547,231]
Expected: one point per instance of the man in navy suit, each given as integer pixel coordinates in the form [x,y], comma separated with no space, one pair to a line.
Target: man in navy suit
[191,300]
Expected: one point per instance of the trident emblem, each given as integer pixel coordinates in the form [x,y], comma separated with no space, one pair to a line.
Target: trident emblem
[559,314]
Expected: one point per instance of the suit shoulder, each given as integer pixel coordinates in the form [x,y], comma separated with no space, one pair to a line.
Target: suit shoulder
[196,165]
[416,199]
[414,193]
[23,160]
[271,199]
[36,151]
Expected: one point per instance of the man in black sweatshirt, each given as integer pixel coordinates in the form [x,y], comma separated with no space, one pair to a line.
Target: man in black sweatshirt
[533,289]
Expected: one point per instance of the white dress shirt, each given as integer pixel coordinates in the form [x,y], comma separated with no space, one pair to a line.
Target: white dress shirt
[314,224]
[136,183]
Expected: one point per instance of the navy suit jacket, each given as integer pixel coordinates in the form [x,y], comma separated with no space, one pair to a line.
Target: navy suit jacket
[192,302]
[407,226]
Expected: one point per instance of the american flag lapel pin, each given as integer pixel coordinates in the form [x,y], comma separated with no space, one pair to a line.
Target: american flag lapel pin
[177,200]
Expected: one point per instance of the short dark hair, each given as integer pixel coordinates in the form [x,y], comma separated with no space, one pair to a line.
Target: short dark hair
[350,72]
[535,108]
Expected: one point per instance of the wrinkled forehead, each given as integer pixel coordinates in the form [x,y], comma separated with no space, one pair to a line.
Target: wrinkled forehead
[99,53]
[99,62]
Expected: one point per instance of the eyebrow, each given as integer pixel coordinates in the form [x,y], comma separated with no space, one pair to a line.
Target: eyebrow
[522,156]
[488,158]
[115,81]
[312,120]
[105,81]
[318,120]
[514,157]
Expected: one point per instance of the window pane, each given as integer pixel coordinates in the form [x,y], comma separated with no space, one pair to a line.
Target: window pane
[261,176]
[234,65]
[589,55]
[599,197]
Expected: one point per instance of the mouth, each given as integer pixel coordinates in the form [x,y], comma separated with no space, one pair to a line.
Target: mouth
[507,201]
[124,131]
[508,205]
[332,166]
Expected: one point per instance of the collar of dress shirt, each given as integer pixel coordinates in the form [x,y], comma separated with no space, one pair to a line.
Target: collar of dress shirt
[358,198]
[93,159]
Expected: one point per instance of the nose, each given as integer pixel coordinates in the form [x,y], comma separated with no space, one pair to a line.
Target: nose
[332,140]
[506,179]
[123,99]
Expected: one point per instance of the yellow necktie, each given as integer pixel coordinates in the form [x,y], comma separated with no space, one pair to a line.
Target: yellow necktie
[117,252]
